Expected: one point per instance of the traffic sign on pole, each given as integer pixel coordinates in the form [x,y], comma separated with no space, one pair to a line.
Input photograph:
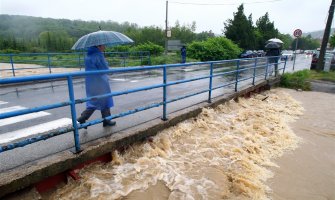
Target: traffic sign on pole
[297,33]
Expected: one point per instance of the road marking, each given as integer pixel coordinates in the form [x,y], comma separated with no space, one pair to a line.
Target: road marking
[34,130]
[119,79]
[10,109]
[134,81]
[19,118]
[3,102]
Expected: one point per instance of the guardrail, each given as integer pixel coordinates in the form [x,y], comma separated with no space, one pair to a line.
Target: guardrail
[235,69]
[69,60]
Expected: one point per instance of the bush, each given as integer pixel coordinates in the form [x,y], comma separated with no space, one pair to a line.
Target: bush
[10,51]
[37,50]
[154,49]
[218,48]
[119,48]
[296,80]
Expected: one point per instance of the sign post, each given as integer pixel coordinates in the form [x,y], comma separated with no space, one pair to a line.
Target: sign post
[297,33]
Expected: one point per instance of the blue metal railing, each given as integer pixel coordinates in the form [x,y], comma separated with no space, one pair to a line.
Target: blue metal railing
[254,64]
[67,60]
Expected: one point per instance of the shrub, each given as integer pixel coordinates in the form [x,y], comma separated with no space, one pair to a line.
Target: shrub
[296,80]
[119,48]
[154,49]
[218,48]
[10,51]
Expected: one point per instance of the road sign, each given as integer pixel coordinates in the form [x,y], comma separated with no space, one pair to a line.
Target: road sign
[297,33]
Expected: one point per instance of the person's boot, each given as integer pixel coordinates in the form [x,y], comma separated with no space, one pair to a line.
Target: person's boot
[84,116]
[105,113]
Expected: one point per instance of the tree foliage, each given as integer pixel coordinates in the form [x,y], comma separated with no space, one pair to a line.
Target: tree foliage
[240,29]
[35,34]
[218,48]
[306,43]
[332,41]
[267,30]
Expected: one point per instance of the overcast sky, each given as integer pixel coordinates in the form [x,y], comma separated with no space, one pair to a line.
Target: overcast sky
[288,15]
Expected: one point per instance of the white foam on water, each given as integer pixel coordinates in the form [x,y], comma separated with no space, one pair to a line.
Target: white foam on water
[224,153]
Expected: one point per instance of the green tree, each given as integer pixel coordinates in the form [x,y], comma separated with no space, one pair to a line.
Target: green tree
[332,40]
[240,30]
[306,43]
[267,30]
[287,39]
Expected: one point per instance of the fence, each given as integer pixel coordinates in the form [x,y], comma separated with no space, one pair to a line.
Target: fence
[235,71]
[50,61]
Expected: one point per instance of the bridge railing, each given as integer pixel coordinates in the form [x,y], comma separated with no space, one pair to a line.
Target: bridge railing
[235,72]
[50,61]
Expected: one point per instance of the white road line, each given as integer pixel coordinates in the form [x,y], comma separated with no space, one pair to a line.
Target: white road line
[19,118]
[134,81]
[34,130]
[119,79]
[10,109]
[3,102]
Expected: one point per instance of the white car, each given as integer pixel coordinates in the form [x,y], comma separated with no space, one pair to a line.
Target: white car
[288,54]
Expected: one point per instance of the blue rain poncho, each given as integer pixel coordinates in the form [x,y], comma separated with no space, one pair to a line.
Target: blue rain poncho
[97,84]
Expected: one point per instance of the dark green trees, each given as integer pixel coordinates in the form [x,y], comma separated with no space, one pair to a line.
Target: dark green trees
[240,29]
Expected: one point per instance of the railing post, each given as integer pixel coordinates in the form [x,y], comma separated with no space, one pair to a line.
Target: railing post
[149,58]
[237,73]
[124,59]
[79,61]
[285,64]
[73,114]
[210,83]
[49,63]
[12,63]
[266,68]
[141,56]
[254,75]
[164,93]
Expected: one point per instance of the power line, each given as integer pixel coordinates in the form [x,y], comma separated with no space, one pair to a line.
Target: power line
[222,4]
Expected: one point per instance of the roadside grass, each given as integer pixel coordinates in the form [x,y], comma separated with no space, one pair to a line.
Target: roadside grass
[301,79]
[322,76]
[296,80]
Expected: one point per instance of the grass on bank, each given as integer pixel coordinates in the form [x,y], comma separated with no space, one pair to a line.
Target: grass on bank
[301,79]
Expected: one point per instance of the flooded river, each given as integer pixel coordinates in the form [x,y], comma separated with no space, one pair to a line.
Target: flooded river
[224,153]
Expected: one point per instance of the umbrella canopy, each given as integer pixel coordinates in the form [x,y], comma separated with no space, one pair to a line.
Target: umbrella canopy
[272,45]
[276,40]
[108,38]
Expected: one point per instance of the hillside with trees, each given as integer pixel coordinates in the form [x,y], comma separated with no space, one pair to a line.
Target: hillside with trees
[36,34]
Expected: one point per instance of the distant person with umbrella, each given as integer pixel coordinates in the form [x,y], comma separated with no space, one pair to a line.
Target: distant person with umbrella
[273,52]
[98,84]
[183,54]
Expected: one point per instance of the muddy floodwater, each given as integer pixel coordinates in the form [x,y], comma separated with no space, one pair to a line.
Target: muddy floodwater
[224,153]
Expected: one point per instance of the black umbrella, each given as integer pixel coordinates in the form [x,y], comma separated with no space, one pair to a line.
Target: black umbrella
[272,45]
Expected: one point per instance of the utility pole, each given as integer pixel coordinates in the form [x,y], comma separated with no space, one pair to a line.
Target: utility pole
[320,65]
[166,28]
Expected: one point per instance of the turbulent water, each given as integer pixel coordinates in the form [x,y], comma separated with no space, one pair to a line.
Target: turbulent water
[224,153]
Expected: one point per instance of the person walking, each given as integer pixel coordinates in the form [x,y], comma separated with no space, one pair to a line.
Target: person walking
[97,84]
[274,54]
[183,54]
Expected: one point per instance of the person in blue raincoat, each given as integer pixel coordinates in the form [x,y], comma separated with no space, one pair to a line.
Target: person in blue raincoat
[97,84]
[183,54]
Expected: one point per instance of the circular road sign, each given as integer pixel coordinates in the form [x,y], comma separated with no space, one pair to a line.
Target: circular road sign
[297,33]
